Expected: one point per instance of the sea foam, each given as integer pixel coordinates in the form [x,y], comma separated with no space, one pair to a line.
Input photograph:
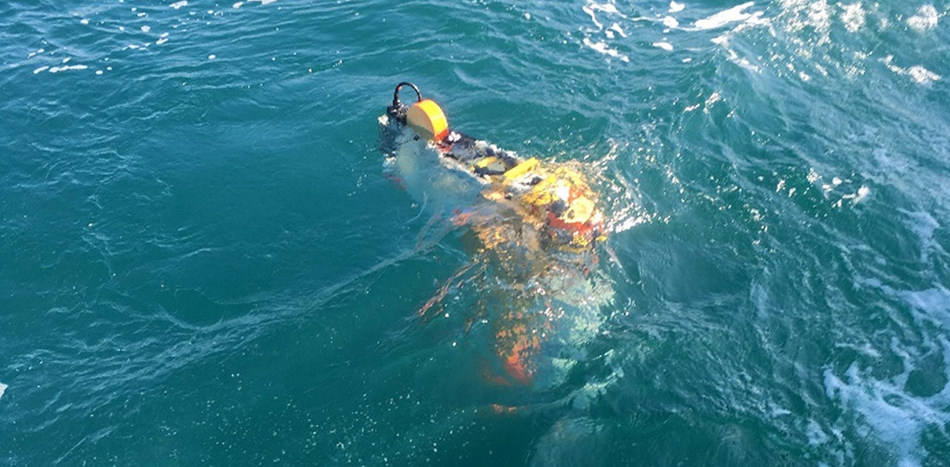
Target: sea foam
[732,15]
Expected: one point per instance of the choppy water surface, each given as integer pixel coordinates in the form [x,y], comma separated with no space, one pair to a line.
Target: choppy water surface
[203,260]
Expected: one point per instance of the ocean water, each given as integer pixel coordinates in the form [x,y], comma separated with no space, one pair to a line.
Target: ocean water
[205,260]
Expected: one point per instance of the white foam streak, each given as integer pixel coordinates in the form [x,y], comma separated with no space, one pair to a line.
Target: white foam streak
[924,225]
[732,15]
[605,7]
[605,49]
[179,4]
[919,74]
[616,28]
[895,416]
[590,12]
[592,8]
[932,304]
[262,2]
[57,69]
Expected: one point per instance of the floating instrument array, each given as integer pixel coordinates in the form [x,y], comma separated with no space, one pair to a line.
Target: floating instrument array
[553,197]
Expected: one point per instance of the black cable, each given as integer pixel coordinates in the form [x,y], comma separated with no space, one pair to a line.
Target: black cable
[398,109]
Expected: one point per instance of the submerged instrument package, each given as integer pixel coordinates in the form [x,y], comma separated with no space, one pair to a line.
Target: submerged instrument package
[553,197]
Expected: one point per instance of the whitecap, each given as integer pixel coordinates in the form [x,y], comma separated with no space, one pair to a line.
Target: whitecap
[922,75]
[925,19]
[819,16]
[676,7]
[918,73]
[862,193]
[605,49]
[853,17]
[57,69]
[855,197]
[179,4]
[895,416]
[3,389]
[732,15]
[663,45]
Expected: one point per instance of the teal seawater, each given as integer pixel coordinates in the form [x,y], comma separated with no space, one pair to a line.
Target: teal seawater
[203,262]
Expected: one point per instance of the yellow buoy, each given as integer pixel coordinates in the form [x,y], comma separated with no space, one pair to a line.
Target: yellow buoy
[428,120]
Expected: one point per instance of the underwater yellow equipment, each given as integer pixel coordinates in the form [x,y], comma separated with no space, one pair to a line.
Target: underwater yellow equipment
[539,219]
[553,197]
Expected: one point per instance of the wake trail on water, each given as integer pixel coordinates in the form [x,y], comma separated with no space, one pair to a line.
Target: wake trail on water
[826,52]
